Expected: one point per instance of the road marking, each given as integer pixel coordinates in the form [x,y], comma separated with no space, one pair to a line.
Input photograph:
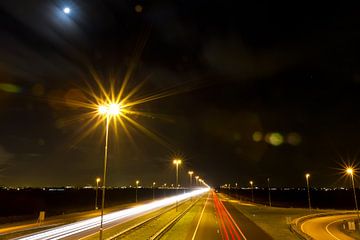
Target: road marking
[242,234]
[202,213]
[327,227]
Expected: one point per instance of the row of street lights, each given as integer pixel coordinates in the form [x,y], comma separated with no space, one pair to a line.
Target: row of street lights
[349,171]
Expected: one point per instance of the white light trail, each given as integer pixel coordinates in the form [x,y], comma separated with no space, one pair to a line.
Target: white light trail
[75,228]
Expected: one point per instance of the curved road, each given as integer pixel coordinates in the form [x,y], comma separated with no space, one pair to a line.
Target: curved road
[327,227]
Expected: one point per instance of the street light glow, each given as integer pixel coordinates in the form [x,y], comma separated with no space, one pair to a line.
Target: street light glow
[350,171]
[308,175]
[177,161]
[111,109]
[98,180]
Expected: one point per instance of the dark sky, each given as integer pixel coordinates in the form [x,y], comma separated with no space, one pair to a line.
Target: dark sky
[249,66]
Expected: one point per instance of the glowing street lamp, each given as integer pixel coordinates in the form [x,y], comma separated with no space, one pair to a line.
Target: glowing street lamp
[108,111]
[137,186]
[252,190]
[196,179]
[96,193]
[350,171]
[153,187]
[190,174]
[307,176]
[177,162]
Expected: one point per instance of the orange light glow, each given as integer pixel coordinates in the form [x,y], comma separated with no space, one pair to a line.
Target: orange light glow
[350,171]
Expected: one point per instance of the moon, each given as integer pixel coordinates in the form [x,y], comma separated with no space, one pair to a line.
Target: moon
[66,10]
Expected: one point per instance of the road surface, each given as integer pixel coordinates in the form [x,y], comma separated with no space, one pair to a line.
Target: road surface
[207,225]
[327,227]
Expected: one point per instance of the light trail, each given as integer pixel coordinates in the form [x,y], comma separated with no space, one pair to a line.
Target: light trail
[75,228]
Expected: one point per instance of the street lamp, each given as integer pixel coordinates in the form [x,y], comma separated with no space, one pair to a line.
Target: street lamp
[153,187]
[177,162]
[350,171]
[108,111]
[252,190]
[96,193]
[268,182]
[137,186]
[191,173]
[308,189]
[196,179]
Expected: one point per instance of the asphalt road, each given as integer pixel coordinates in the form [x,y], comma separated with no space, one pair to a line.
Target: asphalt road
[207,226]
[327,227]
[248,228]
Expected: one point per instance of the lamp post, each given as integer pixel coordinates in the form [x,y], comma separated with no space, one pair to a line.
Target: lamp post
[190,174]
[177,162]
[137,186]
[252,190]
[268,182]
[350,171]
[153,187]
[196,179]
[96,193]
[307,176]
[108,111]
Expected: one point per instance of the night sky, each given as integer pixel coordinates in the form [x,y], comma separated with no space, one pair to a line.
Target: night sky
[239,67]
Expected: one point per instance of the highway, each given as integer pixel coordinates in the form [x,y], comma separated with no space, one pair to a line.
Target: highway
[221,220]
[207,226]
[90,226]
[327,227]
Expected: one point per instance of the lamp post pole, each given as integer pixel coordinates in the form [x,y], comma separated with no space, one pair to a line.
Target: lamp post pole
[190,175]
[153,188]
[104,175]
[350,171]
[137,185]
[177,162]
[308,189]
[96,193]
[252,190]
[268,182]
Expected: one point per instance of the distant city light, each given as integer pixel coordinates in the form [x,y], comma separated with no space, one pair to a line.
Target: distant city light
[67,10]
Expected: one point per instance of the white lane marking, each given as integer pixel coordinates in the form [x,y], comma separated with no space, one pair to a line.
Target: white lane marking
[242,234]
[327,227]
[202,213]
